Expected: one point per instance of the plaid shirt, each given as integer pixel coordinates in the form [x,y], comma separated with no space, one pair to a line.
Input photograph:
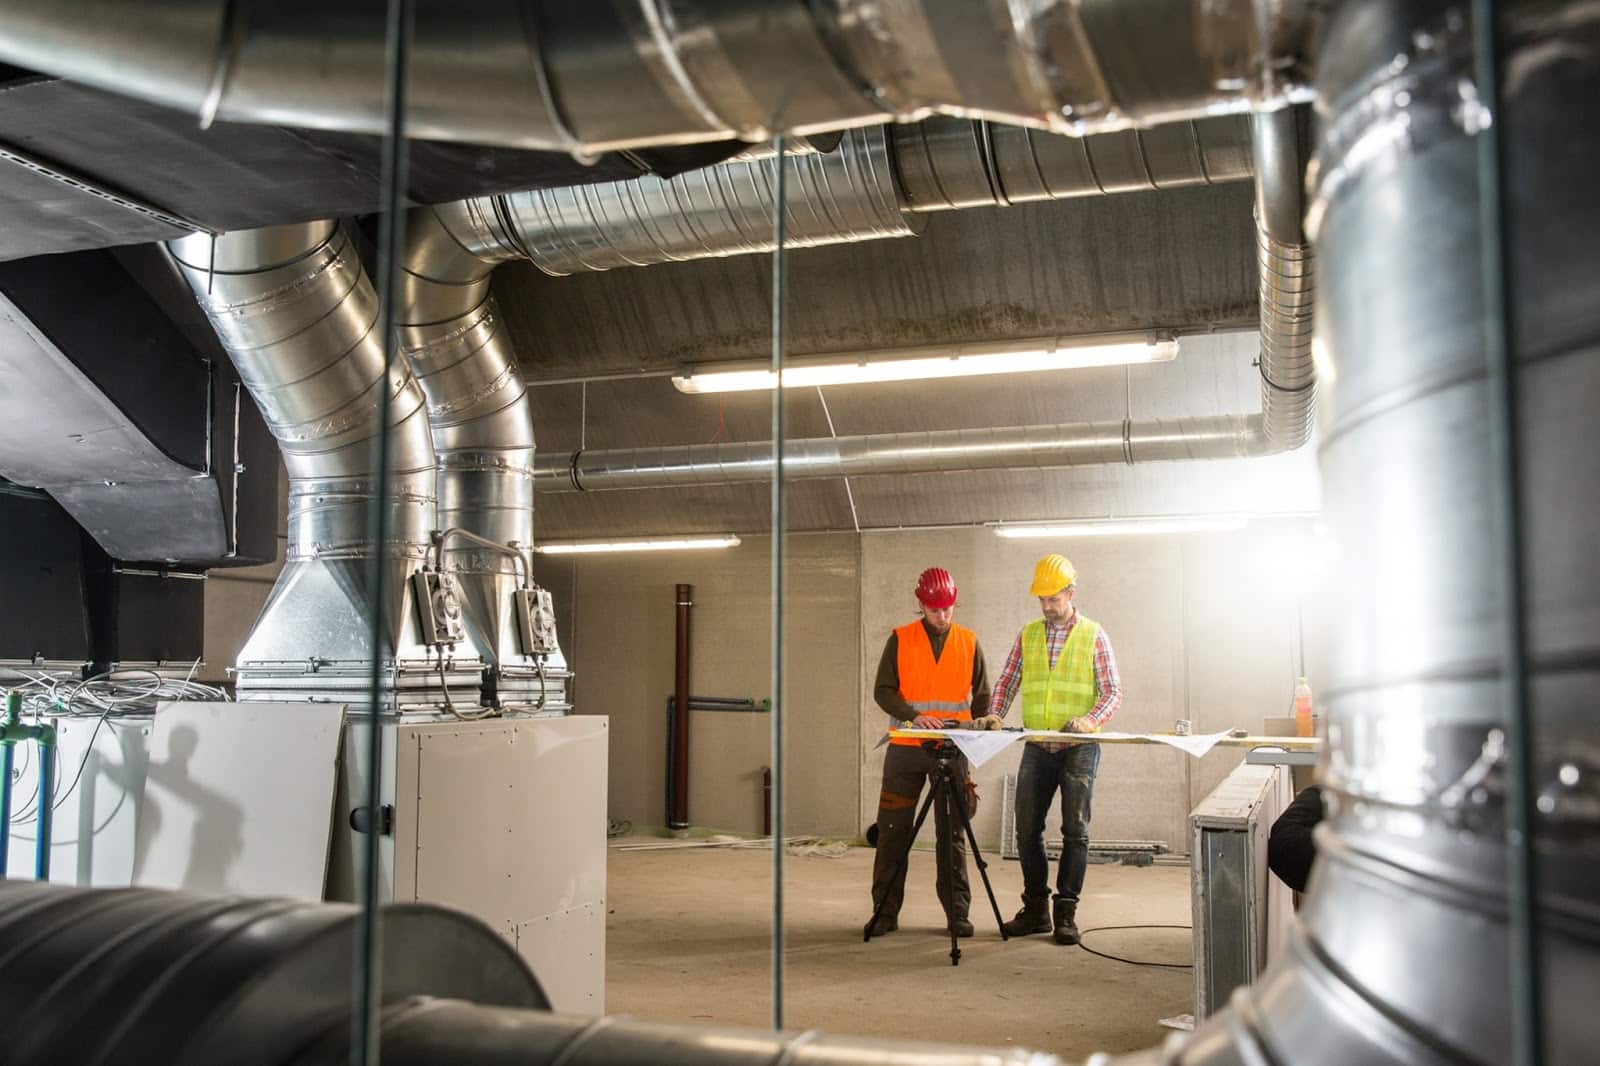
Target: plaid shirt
[1106,682]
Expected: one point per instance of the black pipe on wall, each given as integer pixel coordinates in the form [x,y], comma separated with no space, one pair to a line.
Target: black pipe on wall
[678,808]
[703,703]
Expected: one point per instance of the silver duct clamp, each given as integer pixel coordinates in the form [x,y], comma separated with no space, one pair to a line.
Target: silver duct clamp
[438,608]
[536,621]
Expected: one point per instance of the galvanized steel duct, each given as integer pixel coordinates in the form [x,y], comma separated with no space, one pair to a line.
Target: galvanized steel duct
[298,316]
[1413,869]
[478,415]
[848,194]
[1286,275]
[944,164]
[585,77]
[931,451]
[423,1033]
[874,184]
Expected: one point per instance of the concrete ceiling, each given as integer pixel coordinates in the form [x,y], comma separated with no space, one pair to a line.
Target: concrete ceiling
[1181,260]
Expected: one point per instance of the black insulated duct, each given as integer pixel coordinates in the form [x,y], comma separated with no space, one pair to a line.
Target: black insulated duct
[196,981]
[149,445]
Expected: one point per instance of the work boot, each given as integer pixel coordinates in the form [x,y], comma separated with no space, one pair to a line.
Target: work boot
[1065,920]
[963,927]
[883,925]
[1032,918]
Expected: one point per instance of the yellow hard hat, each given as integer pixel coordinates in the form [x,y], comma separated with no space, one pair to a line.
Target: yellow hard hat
[1052,574]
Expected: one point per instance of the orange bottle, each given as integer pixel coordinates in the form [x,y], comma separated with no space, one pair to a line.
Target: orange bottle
[1302,708]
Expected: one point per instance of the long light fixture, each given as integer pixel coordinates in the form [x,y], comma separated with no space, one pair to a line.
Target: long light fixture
[943,361]
[1109,527]
[639,544]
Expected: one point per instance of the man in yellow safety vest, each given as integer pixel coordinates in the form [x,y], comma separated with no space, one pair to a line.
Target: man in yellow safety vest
[931,674]
[1063,667]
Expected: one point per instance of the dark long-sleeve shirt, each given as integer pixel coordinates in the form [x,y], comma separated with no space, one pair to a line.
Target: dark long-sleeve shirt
[1291,849]
[886,690]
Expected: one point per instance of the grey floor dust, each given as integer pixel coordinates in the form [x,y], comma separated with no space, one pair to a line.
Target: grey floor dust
[687,940]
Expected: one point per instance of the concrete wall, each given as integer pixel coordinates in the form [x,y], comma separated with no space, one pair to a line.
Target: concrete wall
[1203,627]
[617,626]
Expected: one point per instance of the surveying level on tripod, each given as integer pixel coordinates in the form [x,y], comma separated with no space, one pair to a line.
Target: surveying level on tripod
[952,796]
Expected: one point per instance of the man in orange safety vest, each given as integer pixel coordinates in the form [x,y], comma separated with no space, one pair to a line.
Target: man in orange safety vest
[930,675]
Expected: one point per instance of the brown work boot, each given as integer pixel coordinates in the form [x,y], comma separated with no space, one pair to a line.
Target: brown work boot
[963,927]
[1065,920]
[1032,918]
[883,925]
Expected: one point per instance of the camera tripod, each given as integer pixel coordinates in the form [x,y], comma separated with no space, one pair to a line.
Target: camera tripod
[944,792]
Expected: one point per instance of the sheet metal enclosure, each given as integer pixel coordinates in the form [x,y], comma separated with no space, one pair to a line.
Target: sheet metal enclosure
[503,818]
[1242,914]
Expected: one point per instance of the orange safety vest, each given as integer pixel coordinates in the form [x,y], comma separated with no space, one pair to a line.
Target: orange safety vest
[942,687]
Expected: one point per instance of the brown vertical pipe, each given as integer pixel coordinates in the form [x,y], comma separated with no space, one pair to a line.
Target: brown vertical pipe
[766,801]
[678,817]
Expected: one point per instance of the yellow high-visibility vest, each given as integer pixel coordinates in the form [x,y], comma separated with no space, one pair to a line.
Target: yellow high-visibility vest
[1052,698]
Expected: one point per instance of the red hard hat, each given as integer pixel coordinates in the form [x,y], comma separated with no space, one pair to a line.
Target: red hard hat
[936,588]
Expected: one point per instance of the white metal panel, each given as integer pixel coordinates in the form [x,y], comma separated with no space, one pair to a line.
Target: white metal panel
[510,826]
[567,950]
[100,770]
[238,798]
[466,820]
[399,773]
[560,860]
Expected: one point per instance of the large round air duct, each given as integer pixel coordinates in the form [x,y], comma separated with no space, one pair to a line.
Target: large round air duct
[104,977]
[97,977]
[1402,953]
[298,315]
[586,77]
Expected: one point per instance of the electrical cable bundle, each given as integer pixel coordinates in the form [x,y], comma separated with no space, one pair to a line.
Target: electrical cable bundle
[107,697]
[113,692]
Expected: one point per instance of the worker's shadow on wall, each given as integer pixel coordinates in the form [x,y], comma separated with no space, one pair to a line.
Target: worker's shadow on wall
[216,824]
[126,777]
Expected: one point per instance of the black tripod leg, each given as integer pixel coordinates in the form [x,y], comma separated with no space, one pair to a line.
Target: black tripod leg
[983,869]
[942,787]
[901,866]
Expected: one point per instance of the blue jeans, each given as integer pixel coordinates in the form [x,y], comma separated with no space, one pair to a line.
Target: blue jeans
[1070,769]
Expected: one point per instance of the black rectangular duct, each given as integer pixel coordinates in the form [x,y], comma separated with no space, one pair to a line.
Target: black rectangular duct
[107,406]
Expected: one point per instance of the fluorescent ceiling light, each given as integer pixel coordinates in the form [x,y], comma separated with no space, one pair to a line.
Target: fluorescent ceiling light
[918,364]
[639,544]
[1129,526]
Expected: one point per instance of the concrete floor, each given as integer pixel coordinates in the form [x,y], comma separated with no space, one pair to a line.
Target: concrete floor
[688,941]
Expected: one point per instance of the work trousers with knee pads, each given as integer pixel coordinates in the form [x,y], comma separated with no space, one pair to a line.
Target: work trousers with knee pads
[905,772]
